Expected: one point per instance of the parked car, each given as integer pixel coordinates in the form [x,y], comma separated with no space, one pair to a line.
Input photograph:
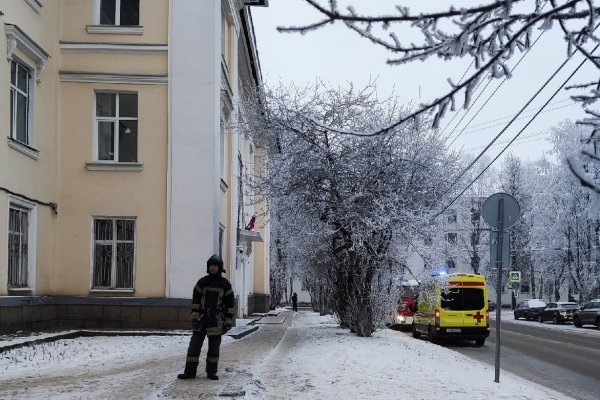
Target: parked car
[558,313]
[529,309]
[491,305]
[588,314]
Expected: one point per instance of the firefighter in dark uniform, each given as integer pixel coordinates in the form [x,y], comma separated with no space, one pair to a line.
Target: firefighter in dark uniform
[212,316]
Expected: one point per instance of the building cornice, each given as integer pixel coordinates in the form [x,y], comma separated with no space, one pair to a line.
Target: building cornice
[250,44]
[17,39]
[114,47]
[230,9]
[115,29]
[99,77]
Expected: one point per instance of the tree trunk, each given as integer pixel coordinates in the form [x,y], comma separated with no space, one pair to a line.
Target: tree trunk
[364,318]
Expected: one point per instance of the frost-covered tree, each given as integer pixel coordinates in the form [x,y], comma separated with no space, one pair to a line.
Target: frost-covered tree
[490,34]
[349,200]
[580,221]
[514,182]
[459,238]
[300,250]
[475,234]
[564,237]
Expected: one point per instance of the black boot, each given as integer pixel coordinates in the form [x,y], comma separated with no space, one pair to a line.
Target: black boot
[213,377]
[185,376]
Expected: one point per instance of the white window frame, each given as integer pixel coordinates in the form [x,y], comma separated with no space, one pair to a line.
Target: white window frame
[31,209]
[225,33]
[23,50]
[114,242]
[115,120]
[97,12]
[222,147]
[221,240]
[14,91]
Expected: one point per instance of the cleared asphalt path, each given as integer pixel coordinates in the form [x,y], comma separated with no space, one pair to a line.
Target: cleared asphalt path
[565,360]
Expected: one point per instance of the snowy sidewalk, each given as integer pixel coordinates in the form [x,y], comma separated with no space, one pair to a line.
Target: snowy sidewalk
[318,360]
[131,367]
[292,356]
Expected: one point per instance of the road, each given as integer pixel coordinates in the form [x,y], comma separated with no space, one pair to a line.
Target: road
[566,360]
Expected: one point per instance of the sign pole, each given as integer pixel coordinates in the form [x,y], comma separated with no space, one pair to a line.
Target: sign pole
[500,211]
[499,285]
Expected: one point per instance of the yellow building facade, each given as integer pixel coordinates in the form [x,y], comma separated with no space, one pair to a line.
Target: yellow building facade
[121,170]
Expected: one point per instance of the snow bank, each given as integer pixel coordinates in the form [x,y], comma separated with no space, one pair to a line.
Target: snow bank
[318,360]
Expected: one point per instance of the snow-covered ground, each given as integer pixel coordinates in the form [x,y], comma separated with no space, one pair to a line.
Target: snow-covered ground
[85,354]
[315,359]
[318,360]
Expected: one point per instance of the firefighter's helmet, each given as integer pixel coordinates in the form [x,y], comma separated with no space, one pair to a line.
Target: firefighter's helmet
[214,260]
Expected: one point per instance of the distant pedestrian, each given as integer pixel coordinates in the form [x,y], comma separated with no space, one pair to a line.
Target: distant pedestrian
[295,302]
[212,316]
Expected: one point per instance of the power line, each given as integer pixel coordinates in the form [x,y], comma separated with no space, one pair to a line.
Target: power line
[529,110]
[493,93]
[518,113]
[534,135]
[513,119]
[531,135]
[526,114]
[521,131]
[460,80]
[490,96]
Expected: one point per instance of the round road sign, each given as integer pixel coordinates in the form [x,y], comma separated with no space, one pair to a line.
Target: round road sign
[489,210]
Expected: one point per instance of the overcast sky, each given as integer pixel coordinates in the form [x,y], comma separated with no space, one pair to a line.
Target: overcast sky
[337,55]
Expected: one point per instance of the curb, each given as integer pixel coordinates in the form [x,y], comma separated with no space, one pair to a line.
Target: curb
[243,333]
[86,333]
[93,333]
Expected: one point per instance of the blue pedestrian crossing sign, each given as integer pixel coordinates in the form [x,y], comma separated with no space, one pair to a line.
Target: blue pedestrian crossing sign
[514,276]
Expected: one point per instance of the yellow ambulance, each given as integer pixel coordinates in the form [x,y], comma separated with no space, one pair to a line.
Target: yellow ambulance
[453,306]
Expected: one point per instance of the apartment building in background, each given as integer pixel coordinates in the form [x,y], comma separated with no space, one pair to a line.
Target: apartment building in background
[460,243]
[122,169]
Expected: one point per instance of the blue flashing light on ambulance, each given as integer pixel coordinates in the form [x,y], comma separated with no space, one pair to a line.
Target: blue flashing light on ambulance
[453,306]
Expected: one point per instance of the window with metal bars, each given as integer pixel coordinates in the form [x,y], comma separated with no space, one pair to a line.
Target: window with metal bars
[18,247]
[114,253]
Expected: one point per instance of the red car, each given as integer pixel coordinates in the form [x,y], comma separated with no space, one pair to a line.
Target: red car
[405,312]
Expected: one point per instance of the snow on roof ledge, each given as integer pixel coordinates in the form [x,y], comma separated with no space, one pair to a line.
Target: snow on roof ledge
[249,236]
